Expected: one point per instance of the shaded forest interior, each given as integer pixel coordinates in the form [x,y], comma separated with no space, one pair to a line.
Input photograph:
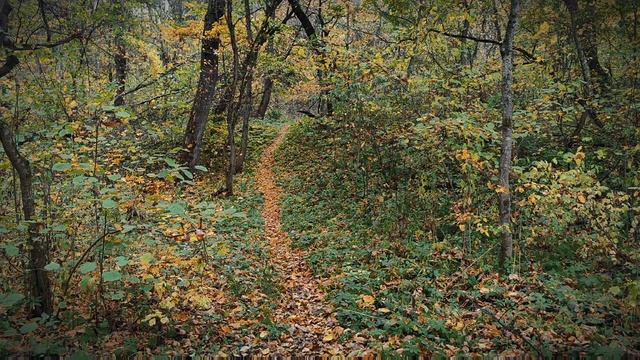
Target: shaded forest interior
[319,177]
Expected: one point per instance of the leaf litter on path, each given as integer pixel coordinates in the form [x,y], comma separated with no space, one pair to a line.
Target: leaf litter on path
[312,327]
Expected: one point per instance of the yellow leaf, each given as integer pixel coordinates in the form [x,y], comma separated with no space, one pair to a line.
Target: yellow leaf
[439,246]
[493,331]
[579,157]
[368,299]
[167,304]
[532,199]
[582,199]
[328,337]
[222,249]
[264,334]
[543,30]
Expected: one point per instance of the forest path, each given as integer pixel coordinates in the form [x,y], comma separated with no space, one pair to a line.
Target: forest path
[311,326]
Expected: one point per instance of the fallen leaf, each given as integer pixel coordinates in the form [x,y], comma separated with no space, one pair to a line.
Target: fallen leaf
[328,337]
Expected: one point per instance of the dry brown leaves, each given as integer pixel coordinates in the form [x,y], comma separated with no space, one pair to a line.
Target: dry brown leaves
[310,320]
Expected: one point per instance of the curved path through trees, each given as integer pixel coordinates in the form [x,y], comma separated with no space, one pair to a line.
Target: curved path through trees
[310,321]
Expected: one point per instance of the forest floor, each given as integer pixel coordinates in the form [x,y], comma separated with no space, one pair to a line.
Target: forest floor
[291,266]
[311,323]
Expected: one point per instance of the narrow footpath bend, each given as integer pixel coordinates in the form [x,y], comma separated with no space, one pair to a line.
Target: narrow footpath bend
[311,324]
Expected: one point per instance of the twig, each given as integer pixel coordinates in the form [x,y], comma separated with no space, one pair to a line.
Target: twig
[455,279]
[65,287]
[512,330]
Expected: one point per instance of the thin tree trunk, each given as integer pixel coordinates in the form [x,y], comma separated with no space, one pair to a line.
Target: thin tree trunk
[317,44]
[40,287]
[231,109]
[40,291]
[120,55]
[590,112]
[506,52]
[206,85]
[267,88]
[572,6]
[248,95]
[244,84]
[591,46]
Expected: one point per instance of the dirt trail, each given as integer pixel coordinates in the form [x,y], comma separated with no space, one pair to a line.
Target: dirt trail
[312,327]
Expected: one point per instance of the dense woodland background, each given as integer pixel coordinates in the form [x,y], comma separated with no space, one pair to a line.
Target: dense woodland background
[461,176]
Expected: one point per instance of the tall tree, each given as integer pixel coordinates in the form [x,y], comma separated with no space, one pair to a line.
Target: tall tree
[248,94]
[119,53]
[315,37]
[587,53]
[206,84]
[38,280]
[241,79]
[231,109]
[264,35]
[267,89]
[506,53]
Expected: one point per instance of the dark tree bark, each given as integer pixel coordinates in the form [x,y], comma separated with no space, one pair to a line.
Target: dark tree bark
[227,97]
[231,109]
[45,22]
[586,71]
[315,38]
[265,100]
[584,35]
[267,86]
[248,95]
[206,85]
[506,52]
[590,33]
[246,69]
[307,26]
[119,54]
[467,54]
[40,286]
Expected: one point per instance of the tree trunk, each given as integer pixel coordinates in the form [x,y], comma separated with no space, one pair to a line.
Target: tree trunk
[40,287]
[315,37]
[244,97]
[40,291]
[119,55]
[231,108]
[591,46]
[206,85]
[506,52]
[584,35]
[590,112]
[267,88]
[248,94]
